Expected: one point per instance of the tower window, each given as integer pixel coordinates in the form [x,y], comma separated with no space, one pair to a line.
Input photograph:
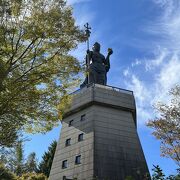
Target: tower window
[83,117]
[64,164]
[78,159]
[71,123]
[80,137]
[68,142]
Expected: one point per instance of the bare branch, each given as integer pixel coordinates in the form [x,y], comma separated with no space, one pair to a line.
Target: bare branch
[24,52]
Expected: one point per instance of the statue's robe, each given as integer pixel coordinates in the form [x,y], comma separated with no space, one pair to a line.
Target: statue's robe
[97,70]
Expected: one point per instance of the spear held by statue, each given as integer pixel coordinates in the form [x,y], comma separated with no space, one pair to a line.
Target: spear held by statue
[97,65]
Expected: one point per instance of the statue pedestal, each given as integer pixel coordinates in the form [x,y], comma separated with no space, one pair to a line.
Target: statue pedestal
[99,137]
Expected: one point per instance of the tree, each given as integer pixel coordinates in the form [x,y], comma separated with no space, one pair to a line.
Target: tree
[47,159]
[7,158]
[157,173]
[36,67]
[18,164]
[129,178]
[9,130]
[32,176]
[13,158]
[6,174]
[167,126]
[173,177]
[31,163]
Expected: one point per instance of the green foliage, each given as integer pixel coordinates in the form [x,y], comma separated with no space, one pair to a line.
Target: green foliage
[129,178]
[13,158]
[6,157]
[174,177]
[31,163]
[167,126]
[18,159]
[36,69]
[157,173]
[9,130]
[32,176]
[64,105]
[47,159]
[6,174]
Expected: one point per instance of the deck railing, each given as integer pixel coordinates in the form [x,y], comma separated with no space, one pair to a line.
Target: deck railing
[105,87]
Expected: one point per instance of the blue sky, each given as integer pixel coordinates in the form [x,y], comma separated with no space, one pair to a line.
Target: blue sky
[145,37]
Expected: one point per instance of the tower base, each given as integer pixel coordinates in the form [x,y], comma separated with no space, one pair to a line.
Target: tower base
[99,139]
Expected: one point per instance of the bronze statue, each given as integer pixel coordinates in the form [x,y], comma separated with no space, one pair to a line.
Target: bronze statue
[97,66]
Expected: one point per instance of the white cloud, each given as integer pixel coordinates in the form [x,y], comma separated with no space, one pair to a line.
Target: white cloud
[161,72]
[166,74]
[168,58]
[139,89]
[142,96]
[136,62]
[170,73]
[157,61]
[126,72]
[162,3]
[167,25]
[168,77]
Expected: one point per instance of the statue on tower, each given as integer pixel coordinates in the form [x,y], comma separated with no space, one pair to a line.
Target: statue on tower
[97,65]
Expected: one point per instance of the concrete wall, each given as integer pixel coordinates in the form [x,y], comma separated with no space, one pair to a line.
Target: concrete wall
[118,151]
[111,148]
[83,148]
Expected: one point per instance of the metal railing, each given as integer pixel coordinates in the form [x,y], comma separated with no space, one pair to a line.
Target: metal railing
[105,87]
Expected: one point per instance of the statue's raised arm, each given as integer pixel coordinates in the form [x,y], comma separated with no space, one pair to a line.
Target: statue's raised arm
[107,64]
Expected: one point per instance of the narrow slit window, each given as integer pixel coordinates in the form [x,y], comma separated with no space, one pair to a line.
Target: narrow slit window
[71,123]
[83,117]
[78,159]
[80,137]
[64,164]
[68,142]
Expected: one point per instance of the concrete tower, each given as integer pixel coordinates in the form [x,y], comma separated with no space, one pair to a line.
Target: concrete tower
[98,138]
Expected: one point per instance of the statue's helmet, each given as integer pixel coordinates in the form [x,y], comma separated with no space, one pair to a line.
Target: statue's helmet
[96,47]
